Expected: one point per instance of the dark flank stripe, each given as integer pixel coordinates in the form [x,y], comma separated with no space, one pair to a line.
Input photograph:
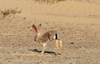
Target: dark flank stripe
[56,36]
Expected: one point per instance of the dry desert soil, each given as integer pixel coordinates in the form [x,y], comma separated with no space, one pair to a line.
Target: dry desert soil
[76,21]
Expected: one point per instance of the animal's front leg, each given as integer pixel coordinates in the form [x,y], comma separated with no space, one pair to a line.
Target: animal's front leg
[44,45]
[42,49]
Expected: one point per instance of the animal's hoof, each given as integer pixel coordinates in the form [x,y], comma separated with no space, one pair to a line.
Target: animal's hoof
[42,53]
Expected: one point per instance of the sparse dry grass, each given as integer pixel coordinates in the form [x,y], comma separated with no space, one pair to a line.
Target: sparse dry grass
[10,11]
[56,1]
[48,1]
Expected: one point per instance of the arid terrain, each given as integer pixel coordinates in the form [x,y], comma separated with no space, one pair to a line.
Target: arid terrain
[77,23]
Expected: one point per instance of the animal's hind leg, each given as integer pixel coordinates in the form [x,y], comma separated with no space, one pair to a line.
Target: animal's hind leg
[61,44]
[57,44]
[58,40]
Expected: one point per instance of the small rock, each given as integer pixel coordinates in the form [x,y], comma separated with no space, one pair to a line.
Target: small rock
[24,18]
[14,51]
[8,52]
[46,23]
[59,54]
[72,42]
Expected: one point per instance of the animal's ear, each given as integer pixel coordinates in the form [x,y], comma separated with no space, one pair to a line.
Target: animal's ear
[39,28]
[35,30]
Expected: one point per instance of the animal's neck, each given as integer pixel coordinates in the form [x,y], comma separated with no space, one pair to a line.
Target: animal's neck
[38,35]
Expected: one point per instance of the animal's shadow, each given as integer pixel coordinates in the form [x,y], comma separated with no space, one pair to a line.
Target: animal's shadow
[49,52]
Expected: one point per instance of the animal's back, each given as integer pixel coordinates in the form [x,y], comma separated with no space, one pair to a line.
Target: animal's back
[47,36]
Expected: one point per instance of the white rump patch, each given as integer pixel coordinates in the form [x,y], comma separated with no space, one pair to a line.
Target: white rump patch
[56,36]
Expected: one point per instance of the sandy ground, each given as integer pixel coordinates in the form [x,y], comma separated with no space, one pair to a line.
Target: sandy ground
[77,22]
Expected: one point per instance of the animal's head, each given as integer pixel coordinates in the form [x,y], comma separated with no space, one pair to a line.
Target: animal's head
[37,31]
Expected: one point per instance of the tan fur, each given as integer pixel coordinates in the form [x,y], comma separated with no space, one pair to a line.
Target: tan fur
[47,37]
